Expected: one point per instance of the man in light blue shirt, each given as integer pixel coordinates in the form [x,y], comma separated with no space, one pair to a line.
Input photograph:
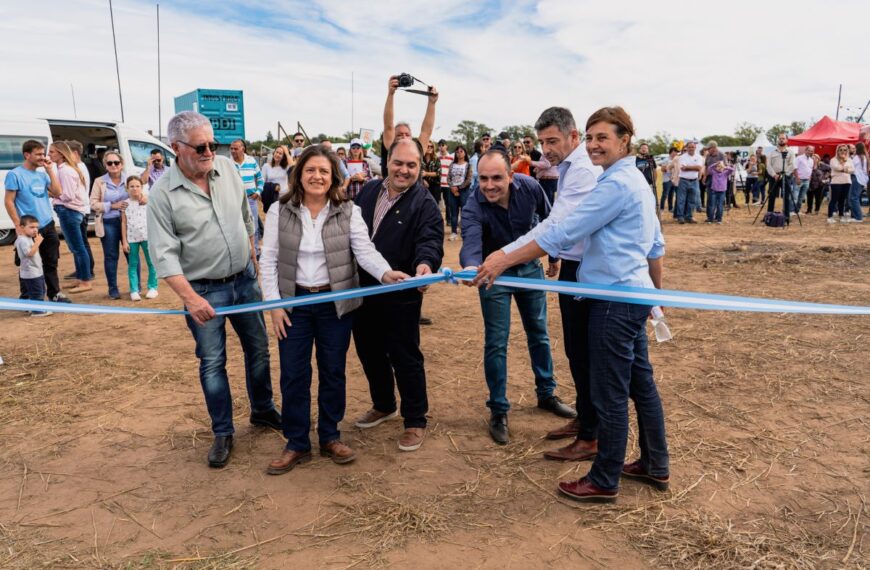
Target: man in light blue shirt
[561,145]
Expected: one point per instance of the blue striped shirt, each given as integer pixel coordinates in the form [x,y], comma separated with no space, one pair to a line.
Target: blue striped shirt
[252,178]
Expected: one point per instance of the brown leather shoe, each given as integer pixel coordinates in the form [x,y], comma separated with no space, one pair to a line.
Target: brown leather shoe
[373,418]
[584,490]
[571,429]
[578,450]
[412,439]
[636,471]
[288,460]
[338,452]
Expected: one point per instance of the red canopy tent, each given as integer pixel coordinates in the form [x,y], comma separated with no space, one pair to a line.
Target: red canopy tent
[827,134]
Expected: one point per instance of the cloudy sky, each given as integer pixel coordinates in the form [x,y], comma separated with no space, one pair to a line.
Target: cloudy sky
[691,68]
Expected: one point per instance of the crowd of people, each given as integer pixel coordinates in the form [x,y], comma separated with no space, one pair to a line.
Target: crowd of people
[705,181]
[587,204]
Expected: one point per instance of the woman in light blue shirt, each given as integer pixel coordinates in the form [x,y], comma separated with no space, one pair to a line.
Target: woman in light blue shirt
[623,245]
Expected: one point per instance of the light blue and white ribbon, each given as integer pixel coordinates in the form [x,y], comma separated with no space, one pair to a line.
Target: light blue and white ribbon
[634,295]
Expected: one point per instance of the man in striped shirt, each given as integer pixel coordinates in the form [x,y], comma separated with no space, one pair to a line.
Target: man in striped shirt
[252,179]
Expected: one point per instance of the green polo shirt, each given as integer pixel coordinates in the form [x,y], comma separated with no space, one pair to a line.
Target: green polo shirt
[196,235]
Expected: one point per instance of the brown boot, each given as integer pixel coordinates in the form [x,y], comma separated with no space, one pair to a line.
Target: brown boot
[338,452]
[288,460]
[571,429]
[578,450]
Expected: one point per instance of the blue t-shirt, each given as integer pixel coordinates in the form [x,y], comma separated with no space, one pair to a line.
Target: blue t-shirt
[31,194]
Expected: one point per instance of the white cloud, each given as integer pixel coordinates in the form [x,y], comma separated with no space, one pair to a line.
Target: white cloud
[688,69]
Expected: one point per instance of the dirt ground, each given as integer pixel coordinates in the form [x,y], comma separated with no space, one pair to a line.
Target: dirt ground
[104,433]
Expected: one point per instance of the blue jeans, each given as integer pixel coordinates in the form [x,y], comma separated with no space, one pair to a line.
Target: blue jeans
[84,229]
[668,192]
[685,206]
[855,199]
[715,204]
[800,195]
[211,349]
[70,225]
[532,305]
[454,205]
[33,289]
[313,325]
[619,370]
[111,242]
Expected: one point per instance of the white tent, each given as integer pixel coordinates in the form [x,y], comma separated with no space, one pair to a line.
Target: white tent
[761,141]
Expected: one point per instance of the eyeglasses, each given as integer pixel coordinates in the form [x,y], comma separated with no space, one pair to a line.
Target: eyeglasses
[113,163]
[299,140]
[200,148]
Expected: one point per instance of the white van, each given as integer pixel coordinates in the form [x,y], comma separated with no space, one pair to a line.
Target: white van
[135,146]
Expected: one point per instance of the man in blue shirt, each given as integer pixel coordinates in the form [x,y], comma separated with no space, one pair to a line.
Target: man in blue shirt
[502,210]
[29,192]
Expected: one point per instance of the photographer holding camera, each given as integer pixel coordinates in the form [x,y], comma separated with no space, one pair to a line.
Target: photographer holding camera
[392,131]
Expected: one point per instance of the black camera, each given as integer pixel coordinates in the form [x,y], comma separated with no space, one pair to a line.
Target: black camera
[405,79]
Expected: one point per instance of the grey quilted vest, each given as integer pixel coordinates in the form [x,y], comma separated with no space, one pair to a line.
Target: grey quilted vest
[340,262]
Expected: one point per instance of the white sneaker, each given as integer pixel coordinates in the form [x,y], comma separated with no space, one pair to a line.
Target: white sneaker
[135,297]
[854,221]
[844,220]
[151,294]
[832,220]
[36,314]
[453,237]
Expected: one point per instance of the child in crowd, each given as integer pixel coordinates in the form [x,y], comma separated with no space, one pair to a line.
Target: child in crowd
[718,176]
[30,270]
[134,236]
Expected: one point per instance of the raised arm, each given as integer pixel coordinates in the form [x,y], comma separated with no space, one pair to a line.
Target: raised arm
[428,119]
[389,120]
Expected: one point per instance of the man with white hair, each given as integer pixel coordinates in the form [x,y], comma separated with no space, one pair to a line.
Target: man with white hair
[201,238]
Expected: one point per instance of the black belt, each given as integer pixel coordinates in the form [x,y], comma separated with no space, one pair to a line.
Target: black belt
[549,178]
[316,289]
[220,281]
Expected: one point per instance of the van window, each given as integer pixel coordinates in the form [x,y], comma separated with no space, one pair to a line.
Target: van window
[10,150]
[141,152]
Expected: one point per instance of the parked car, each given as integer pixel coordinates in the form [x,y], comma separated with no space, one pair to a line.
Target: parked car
[134,145]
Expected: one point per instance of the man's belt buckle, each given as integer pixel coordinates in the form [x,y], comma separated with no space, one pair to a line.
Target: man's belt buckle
[318,289]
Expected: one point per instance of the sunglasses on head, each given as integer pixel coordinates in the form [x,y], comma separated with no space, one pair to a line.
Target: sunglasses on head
[200,148]
[113,163]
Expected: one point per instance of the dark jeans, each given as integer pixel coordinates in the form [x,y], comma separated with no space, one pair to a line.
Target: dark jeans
[715,204]
[619,370]
[703,190]
[387,338]
[211,349]
[313,325]
[84,229]
[49,251]
[575,331]
[550,185]
[70,223]
[454,205]
[814,195]
[750,187]
[434,186]
[33,288]
[668,191]
[761,189]
[775,187]
[495,304]
[111,242]
[839,193]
